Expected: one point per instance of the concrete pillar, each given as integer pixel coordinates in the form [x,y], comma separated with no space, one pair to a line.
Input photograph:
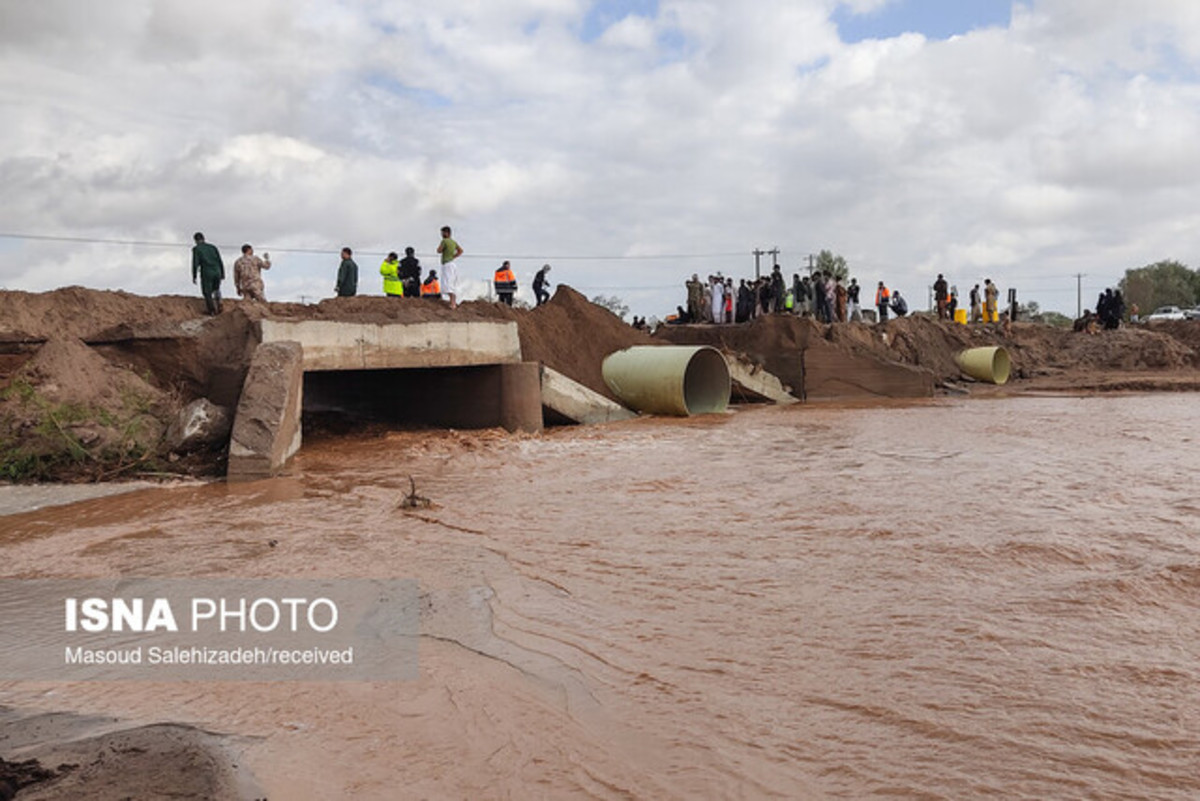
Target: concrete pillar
[521,396]
[266,428]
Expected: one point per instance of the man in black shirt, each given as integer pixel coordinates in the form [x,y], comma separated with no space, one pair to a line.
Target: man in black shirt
[409,272]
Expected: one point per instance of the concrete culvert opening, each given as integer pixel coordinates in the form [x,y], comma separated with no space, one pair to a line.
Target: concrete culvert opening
[482,396]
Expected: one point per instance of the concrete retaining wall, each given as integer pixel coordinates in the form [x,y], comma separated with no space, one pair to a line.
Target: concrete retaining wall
[332,345]
[266,427]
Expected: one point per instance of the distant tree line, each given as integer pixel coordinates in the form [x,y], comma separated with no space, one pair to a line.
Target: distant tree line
[1164,283]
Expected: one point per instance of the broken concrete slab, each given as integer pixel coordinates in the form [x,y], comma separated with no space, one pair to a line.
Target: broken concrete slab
[332,345]
[577,403]
[266,427]
[753,380]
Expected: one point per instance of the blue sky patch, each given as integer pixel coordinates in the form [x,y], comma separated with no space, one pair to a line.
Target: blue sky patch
[605,13]
[425,97]
[935,19]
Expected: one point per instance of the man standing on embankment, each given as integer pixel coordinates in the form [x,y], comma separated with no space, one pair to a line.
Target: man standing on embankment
[206,261]
[347,276]
[449,251]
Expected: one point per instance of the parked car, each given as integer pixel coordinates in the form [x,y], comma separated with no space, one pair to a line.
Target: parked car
[1192,314]
[1167,313]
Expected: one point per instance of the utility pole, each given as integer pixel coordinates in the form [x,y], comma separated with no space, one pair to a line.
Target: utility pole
[811,263]
[757,255]
[1079,295]
[774,252]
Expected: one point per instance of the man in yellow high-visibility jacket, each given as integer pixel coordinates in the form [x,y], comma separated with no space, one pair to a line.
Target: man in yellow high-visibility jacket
[393,287]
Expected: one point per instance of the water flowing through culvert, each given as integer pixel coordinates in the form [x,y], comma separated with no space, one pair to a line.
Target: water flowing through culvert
[952,599]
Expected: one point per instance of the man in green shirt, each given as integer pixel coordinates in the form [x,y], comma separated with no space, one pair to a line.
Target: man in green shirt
[206,261]
[449,250]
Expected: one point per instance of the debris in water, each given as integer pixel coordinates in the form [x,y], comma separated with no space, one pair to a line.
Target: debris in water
[414,501]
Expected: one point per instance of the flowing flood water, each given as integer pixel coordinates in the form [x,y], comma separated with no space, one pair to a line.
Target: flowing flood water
[958,599]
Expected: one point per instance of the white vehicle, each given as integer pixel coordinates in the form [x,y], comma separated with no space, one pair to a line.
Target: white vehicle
[1166,313]
[1192,314]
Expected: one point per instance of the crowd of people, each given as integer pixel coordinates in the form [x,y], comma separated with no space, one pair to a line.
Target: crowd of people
[402,277]
[824,296]
[821,295]
[1110,311]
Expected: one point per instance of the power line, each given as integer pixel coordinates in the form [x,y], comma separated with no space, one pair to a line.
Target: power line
[326,251]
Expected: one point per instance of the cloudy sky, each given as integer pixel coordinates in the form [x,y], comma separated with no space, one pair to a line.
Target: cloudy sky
[629,143]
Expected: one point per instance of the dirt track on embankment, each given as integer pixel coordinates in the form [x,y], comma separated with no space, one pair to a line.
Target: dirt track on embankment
[90,380]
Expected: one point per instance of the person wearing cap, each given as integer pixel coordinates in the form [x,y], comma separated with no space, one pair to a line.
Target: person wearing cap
[206,262]
[539,285]
[450,250]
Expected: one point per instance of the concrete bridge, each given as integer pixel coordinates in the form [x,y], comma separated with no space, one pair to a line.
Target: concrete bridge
[447,374]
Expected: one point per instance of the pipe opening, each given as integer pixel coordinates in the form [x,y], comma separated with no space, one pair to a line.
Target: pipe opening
[669,379]
[706,384]
[1001,366]
[991,364]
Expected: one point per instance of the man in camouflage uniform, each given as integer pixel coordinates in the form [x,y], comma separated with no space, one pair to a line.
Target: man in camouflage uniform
[247,274]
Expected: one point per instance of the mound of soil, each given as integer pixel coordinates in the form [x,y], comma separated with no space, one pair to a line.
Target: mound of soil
[920,341]
[68,411]
[774,341]
[1186,332]
[78,313]
[572,335]
[69,372]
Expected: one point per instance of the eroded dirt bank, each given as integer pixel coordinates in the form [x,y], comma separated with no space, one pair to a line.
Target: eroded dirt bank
[90,381]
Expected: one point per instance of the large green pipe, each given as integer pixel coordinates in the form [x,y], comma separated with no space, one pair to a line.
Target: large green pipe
[985,364]
[669,379]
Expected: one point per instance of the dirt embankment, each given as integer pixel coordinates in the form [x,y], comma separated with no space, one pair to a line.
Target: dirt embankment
[1041,354]
[90,380]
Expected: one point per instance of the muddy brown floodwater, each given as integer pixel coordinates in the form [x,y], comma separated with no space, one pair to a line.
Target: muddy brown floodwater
[957,599]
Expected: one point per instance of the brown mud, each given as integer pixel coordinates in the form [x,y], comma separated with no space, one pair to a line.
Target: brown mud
[90,380]
[57,755]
